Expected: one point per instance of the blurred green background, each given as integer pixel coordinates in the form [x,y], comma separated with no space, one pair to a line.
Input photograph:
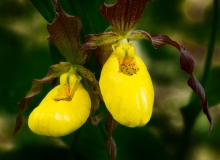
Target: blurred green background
[25,55]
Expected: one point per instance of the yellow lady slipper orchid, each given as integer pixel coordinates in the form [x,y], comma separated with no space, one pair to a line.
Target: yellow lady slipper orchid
[63,110]
[126,86]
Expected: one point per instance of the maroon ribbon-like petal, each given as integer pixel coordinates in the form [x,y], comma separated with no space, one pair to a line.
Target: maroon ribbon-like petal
[186,64]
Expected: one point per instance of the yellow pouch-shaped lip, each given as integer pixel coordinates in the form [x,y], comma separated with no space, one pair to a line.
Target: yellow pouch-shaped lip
[128,96]
[59,118]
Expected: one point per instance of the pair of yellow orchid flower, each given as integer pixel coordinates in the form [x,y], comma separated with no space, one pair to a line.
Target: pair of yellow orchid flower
[126,88]
[125,84]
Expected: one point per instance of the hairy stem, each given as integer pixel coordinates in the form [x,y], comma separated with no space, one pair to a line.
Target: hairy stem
[110,126]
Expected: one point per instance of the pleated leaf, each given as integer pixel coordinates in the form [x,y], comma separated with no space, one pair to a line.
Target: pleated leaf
[46,9]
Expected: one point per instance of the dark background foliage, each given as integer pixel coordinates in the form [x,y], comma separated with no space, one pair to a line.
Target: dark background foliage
[25,54]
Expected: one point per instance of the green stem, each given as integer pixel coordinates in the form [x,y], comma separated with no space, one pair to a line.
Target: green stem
[102,129]
[193,109]
[211,45]
[72,152]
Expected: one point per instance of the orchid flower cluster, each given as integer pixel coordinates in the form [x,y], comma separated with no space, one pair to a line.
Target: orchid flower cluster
[124,86]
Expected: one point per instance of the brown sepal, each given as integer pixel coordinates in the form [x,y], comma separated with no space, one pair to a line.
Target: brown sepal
[87,74]
[186,64]
[102,53]
[95,101]
[124,14]
[65,35]
[95,40]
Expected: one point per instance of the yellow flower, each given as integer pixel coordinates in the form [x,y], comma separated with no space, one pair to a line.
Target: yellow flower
[126,86]
[63,110]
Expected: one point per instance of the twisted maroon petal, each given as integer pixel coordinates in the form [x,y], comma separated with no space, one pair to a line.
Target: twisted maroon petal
[186,64]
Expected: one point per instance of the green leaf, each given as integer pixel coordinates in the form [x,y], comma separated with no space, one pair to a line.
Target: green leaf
[37,84]
[87,11]
[64,34]
[46,9]
[90,144]
[56,56]
[212,87]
